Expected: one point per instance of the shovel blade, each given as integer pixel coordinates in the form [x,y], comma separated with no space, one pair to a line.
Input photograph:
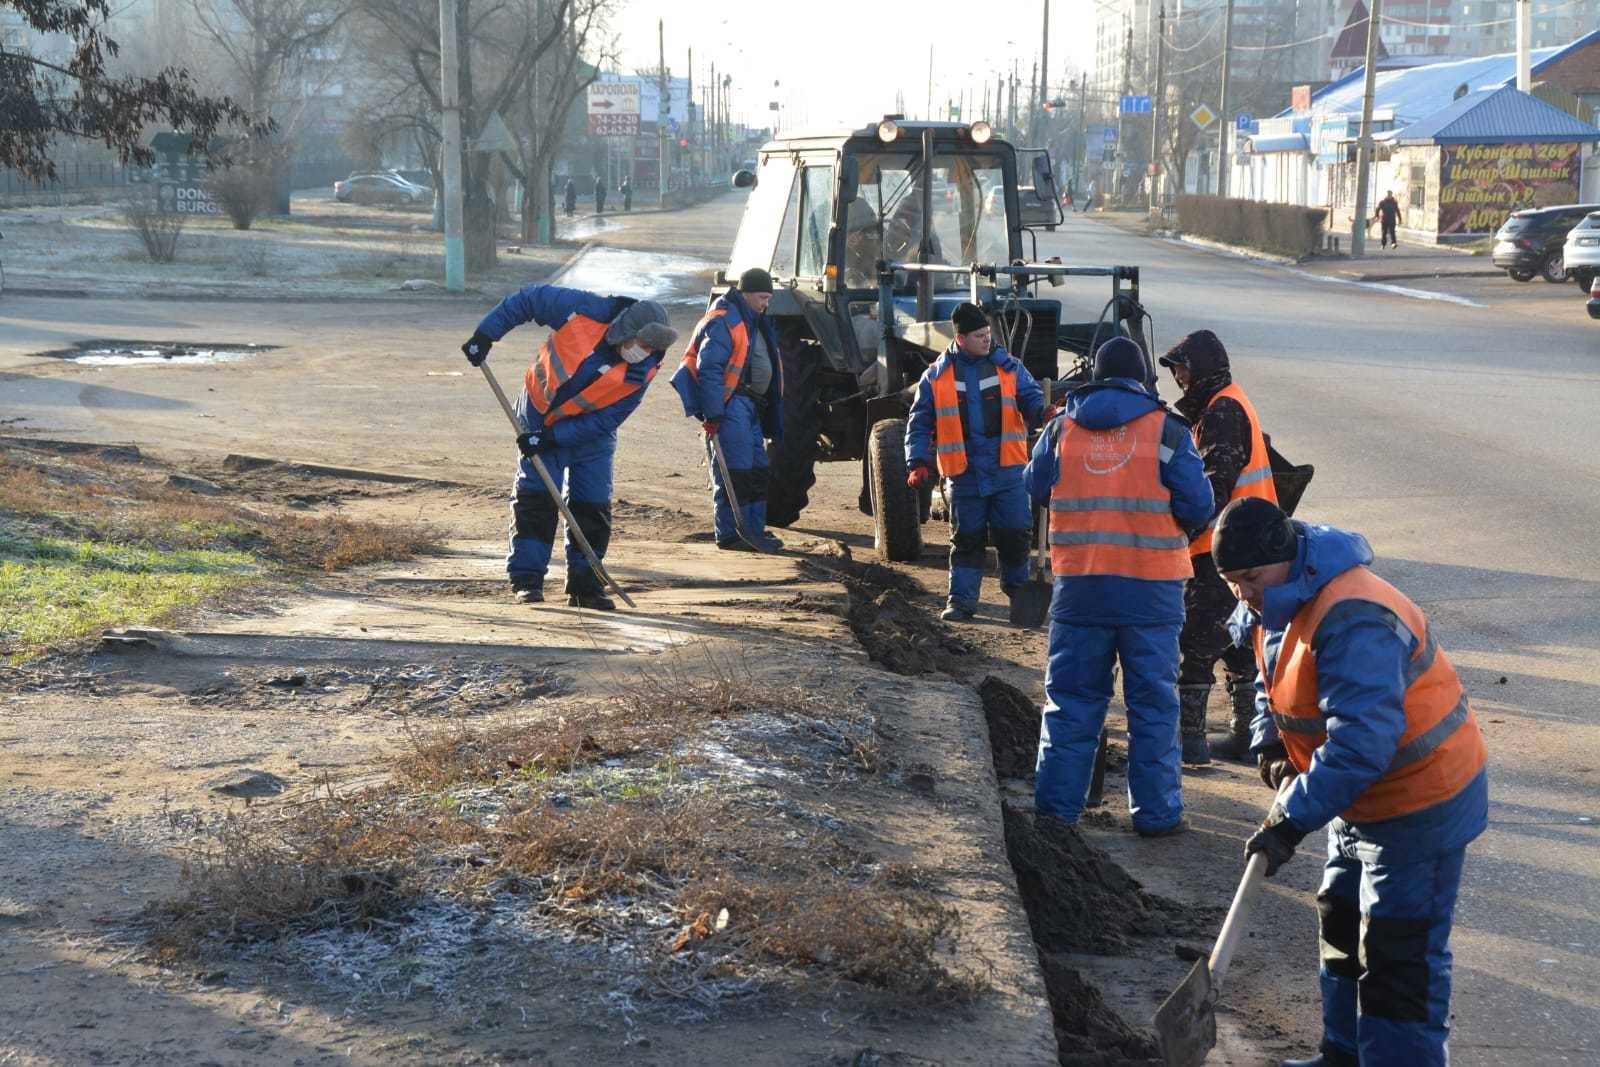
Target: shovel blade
[1030,604]
[1186,1024]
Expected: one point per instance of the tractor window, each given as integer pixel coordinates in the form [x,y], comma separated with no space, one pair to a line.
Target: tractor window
[969,214]
[783,256]
[763,217]
[817,215]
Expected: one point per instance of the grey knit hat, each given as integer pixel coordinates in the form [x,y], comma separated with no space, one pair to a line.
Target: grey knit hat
[646,320]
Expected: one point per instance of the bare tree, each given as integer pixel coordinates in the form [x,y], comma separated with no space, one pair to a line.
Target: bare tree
[271,45]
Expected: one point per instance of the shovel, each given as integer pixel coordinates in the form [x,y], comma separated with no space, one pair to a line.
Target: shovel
[1186,1024]
[555,494]
[727,487]
[1030,602]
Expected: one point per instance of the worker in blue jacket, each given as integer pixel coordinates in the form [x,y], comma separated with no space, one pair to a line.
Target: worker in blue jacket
[731,379]
[584,382]
[1126,489]
[1359,711]
[970,421]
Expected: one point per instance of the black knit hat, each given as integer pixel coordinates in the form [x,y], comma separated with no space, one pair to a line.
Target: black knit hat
[1119,357]
[1252,532]
[1201,352]
[968,318]
[755,280]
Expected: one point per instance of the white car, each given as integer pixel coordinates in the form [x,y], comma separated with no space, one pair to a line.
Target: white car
[1581,254]
[379,189]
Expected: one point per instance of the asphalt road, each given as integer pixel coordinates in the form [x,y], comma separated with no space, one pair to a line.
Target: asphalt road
[1459,439]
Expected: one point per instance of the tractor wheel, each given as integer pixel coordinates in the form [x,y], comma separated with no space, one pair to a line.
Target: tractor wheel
[896,510]
[794,459]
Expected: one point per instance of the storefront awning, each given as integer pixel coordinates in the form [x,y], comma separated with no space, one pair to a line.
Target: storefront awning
[1290,142]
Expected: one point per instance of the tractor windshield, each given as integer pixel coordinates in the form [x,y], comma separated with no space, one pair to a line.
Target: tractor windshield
[969,214]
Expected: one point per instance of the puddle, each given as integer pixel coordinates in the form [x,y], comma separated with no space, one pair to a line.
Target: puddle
[583,229]
[151,353]
[644,275]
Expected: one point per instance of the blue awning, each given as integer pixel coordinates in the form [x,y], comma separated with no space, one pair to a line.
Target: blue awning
[1288,142]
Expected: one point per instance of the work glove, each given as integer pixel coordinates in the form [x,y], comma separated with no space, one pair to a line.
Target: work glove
[1272,763]
[477,349]
[1277,839]
[531,444]
[920,477]
[711,426]
[1050,412]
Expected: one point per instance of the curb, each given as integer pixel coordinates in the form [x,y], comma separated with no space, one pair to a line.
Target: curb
[1236,251]
[571,261]
[1416,275]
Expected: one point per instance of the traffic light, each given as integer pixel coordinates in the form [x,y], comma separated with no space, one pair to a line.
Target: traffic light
[1051,105]
[683,142]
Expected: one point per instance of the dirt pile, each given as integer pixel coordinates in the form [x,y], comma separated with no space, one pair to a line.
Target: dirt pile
[900,636]
[1013,727]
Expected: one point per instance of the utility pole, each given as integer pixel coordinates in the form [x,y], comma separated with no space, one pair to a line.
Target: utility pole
[1225,134]
[661,114]
[1127,90]
[455,258]
[1524,42]
[927,116]
[1044,73]
[1358,225]
[1158,105]
[1033,105]
[1083,133]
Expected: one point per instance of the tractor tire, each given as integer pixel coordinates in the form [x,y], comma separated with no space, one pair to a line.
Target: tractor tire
[794,459]
[896,509]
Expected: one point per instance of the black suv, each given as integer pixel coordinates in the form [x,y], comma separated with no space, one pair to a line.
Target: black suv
[1531,241]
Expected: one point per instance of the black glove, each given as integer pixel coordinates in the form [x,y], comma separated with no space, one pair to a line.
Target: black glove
[1274,767]
[477,349]
[531,444]
[1277,839]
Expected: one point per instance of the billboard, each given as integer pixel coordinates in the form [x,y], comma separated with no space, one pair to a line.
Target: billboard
[648,86]
[1481,184]
[613,109]
[185,198]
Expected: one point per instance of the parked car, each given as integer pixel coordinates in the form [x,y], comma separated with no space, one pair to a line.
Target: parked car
[1531,242]
[421,178]
[1581,255]
[379,189]
[1594,298]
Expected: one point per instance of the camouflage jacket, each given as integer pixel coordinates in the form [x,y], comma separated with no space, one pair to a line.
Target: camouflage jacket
[1221,434]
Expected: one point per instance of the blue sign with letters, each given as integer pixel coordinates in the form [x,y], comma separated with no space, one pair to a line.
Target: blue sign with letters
[1135,105]
[1243,121]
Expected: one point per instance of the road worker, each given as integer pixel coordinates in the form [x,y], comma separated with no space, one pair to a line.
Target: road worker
[1228,436]
[970,421]
[584,382]
[1124,486]
[1358,706]
[731,379]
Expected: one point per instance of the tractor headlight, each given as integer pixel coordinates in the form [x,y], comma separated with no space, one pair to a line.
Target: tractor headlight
[981,132]
[888,130]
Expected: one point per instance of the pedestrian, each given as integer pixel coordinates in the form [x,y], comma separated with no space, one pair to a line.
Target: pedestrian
[1359,706]
[731,379]
[599,194]
[1227,434]
[1089,194]
[1388,219]
[1124,486]
[970,420]
[571,197]
[1066,198]
[583,383]
[627,193]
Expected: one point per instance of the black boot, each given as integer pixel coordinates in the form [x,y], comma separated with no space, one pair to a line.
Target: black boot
[1192,722]
[1330,1056]
[1235,744]
[592,601]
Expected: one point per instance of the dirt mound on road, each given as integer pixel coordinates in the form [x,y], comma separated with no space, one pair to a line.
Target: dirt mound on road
[900,636]
[1013,727]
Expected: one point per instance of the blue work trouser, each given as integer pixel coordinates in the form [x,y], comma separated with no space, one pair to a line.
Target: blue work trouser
[1002,518]
[585,472]
[745,451]
[1077,685]
[1385,940]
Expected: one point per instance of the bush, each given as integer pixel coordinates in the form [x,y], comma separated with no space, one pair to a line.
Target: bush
[157,230]
[242,192]
[1285,229]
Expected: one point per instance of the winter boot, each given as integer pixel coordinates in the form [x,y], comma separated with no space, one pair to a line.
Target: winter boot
[958,610]
[1330,1056]
[591,600]
[527,593]
[1235,744]
[1192,722]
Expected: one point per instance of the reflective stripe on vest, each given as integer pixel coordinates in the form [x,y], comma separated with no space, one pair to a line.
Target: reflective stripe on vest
[736,359]
[949,442]
[1442,748]
[1109,512]
[558,360]
[1256,477]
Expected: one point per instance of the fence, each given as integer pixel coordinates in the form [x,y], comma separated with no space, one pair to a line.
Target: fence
[71,177]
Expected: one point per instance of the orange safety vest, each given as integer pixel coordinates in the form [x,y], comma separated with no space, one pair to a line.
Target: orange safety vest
[558,360]
[1256,477]
[1442,748]
[1109,512]
[734,370]
[949,445]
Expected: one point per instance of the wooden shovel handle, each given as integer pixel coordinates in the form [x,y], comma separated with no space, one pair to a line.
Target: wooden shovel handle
[1255,873]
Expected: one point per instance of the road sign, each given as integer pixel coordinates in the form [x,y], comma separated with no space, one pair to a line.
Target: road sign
[1135,105]
[614,109]
[1202,116]
[495,137]
[1243,121]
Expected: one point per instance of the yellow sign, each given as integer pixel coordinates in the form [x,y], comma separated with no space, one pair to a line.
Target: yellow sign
[1202,116]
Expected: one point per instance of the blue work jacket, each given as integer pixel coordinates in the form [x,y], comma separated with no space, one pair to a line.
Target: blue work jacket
[984,475]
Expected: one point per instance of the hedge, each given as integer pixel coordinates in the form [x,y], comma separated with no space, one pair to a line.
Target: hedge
[1284,229]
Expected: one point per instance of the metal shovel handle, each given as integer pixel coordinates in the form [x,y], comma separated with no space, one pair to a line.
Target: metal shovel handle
[555,494]
[727,487]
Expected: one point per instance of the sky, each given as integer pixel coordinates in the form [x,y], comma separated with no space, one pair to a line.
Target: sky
[841,62]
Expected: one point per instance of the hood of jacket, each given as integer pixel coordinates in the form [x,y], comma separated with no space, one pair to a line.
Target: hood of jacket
[1201,392]
[1112,402]
[997,355]
[1322,554]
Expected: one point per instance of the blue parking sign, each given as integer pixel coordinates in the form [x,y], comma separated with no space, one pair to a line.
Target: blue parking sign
[1243,121]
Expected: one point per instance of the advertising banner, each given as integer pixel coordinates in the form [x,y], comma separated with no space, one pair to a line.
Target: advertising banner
[1481,184]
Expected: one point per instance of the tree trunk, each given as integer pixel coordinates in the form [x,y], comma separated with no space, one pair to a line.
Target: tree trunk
[479,216]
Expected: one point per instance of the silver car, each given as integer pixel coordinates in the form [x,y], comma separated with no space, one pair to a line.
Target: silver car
[1581,255]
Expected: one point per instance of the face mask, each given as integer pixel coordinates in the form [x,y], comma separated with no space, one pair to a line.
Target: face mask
[635,353]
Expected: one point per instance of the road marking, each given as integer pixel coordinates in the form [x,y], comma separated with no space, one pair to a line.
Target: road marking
[1383,287]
